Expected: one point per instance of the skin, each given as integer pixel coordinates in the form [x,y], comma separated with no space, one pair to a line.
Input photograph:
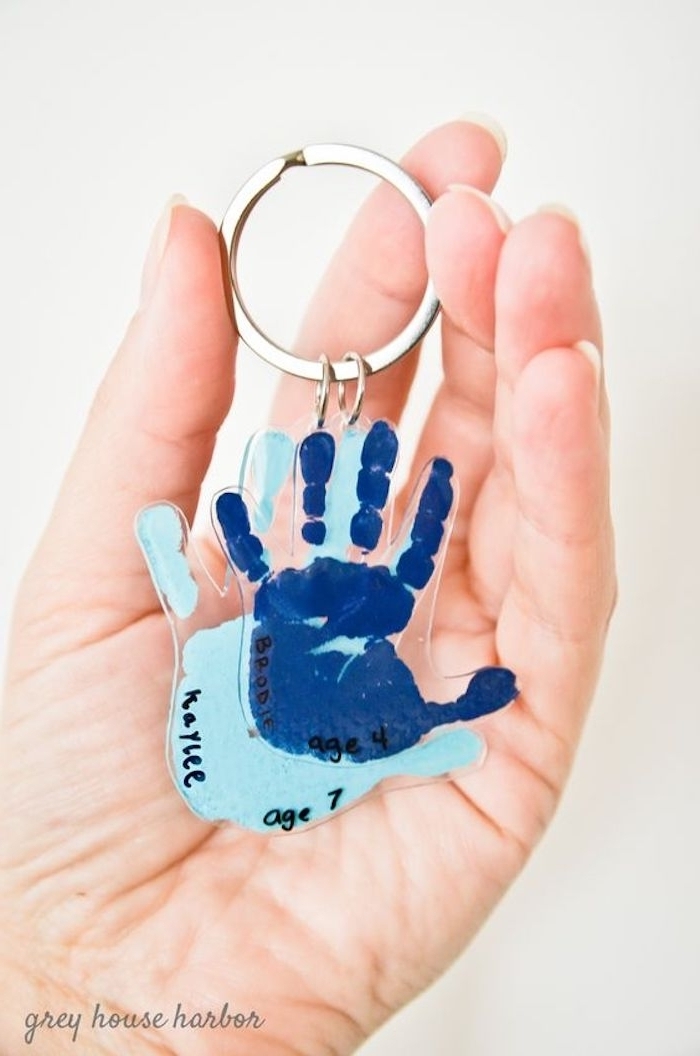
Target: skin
[110,889]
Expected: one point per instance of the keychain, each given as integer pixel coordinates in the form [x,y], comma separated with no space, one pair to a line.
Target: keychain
[307,682]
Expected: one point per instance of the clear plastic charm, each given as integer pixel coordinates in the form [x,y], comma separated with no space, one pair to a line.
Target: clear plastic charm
[307,682]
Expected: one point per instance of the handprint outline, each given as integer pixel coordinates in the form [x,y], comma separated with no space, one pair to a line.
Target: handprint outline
[317,705]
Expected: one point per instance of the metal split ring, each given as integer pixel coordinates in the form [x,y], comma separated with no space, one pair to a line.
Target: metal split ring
[350,417]
[232,225]
[323,390]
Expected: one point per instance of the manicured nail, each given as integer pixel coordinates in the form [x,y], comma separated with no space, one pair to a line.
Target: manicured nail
[563,210]
[156,249]
[592,354]
[499,214]
[491,125]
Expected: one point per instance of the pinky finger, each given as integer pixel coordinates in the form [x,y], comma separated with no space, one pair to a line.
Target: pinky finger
[243,547]
[162,533]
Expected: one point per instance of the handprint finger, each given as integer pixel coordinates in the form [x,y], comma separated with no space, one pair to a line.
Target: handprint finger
[245,550]
[377,459]
[489,689]
[340,494]
[162,533]
[316,456]
[266,468]
[414,562]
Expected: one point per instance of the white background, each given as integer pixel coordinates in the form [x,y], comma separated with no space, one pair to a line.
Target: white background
[108,108]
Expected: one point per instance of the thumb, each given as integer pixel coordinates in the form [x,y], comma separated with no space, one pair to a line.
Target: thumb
[149,436]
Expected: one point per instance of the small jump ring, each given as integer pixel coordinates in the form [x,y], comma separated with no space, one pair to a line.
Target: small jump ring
[232,227]
[323,390]
[350,417]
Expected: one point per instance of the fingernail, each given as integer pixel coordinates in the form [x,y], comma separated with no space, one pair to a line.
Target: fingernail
[491,125]
[156,248]
[499,214]
[563,210]
[592,354]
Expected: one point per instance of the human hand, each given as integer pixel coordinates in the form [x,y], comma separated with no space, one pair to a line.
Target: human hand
[112,891]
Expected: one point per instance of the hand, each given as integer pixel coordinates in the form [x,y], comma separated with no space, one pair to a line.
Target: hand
[112,890]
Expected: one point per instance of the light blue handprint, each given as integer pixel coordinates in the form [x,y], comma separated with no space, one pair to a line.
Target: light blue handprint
[301,705]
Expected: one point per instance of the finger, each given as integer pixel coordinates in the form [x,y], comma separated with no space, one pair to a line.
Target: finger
[316,455]
[162,533]
[339,505]
[151,430]
[556,610]
[544,299]
[188,576]
[422,532]
[244,548]
[464,237]
[267,467]
[376,279]
[378,458]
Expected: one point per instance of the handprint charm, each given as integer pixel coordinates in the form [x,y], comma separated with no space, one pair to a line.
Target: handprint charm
[305,688]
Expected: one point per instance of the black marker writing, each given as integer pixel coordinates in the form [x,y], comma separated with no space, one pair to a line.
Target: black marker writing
[260,692]
[192,749]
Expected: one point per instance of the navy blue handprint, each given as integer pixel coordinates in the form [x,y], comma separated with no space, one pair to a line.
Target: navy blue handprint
[299,694]
[324,675]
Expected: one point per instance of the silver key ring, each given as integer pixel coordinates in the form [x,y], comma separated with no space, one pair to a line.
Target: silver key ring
[232,227]
[351,416]
[323,391]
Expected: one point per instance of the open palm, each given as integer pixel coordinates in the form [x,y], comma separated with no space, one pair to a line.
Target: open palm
[111,890]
